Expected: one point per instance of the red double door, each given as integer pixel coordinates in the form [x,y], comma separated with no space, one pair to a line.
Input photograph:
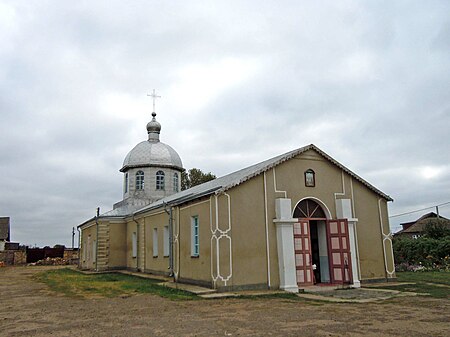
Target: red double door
[338,252]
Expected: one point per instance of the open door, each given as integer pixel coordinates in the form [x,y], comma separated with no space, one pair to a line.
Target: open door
[339,251]
[302,246]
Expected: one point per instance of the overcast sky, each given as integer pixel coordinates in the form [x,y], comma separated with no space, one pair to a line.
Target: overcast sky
[368,82]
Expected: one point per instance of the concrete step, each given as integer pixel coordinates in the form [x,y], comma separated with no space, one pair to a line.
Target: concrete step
[198,290]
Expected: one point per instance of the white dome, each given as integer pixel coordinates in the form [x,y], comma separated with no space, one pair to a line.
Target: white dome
[151,153]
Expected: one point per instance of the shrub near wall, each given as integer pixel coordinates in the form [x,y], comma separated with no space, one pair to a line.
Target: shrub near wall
[430,251]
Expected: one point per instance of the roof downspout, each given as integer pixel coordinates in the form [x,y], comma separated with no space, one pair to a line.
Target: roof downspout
[169,212]
[79,247]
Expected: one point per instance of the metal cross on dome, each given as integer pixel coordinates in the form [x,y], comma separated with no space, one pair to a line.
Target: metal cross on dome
[154,96]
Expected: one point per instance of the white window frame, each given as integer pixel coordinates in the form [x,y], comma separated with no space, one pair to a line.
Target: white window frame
[166,241]
[195,237]
[155,242]
[175,182]
[160,180]
[134,244]
[140,180]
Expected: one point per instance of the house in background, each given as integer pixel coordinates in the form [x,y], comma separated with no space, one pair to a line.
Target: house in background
[289,222]
[4,232]
[415,229]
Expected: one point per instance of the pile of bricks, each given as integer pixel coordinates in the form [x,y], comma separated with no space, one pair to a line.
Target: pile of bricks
[55,261]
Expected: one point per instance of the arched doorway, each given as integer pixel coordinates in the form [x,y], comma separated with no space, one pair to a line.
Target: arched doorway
[322,249]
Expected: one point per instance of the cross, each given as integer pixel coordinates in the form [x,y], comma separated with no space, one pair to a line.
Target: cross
[154,96]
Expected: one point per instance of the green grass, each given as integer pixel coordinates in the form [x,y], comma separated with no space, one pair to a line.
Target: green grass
[434,283]
[73,283]
[439,277]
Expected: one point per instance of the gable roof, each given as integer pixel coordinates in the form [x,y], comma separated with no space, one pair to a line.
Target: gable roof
[418,226]
[4,228]
[224,183]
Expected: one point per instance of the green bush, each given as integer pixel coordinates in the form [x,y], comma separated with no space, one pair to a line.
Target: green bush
[430,251]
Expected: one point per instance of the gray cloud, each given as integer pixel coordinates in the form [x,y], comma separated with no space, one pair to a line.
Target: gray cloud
[366,82]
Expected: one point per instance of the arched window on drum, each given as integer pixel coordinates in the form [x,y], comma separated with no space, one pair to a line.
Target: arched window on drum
[160,180]
[139,180]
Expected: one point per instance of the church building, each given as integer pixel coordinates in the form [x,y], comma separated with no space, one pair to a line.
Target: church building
[289,222]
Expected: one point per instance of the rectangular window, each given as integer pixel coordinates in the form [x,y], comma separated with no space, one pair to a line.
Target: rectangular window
[155,242]
[126,183]
[134,245]
[166,241]
[195,243]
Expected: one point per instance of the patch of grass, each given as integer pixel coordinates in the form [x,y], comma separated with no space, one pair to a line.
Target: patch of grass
[73,283]
[435,283]
[439,277]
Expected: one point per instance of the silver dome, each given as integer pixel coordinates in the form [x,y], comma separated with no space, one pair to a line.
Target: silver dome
[150,153]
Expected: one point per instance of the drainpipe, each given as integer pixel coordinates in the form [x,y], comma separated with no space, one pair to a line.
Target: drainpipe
[169,212]
[137,244]
[79,247]
[96,239]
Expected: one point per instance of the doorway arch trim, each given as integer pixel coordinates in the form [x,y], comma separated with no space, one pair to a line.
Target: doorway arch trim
[320,202]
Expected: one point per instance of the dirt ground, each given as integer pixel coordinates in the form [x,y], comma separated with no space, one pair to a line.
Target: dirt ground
[28,308]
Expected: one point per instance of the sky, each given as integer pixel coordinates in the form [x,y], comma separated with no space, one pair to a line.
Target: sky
[368,82]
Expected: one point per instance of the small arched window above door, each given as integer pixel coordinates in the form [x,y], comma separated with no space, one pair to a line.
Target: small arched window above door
[309,209]
[310,178]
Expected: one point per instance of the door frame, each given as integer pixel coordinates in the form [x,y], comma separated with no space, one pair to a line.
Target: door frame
[343,250]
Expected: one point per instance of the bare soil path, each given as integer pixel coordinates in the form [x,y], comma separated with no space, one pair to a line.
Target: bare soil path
[28,308]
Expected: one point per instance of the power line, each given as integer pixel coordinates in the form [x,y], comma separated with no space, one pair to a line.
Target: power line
[419,210]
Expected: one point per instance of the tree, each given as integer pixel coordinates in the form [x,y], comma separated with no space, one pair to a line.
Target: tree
[194,177]
[437,228]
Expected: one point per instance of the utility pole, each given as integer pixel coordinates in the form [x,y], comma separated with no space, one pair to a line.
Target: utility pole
[73,237]
[437,211]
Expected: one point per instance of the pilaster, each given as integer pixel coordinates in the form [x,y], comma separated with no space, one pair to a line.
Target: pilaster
[285,245]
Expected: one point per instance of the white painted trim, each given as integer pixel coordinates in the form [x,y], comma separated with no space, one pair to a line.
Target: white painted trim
[275,184]
[386,237]
[343,187]
[219,234]
[285,248]
[267,231]
[195,224]
[357,251]
[197,203]
[176,241]
[320,202]
[354,258]
[214,278]
[353,198]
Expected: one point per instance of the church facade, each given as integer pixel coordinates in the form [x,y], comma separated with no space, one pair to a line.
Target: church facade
[292,221]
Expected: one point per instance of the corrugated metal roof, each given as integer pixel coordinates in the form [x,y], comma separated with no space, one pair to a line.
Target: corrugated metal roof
[228,181]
